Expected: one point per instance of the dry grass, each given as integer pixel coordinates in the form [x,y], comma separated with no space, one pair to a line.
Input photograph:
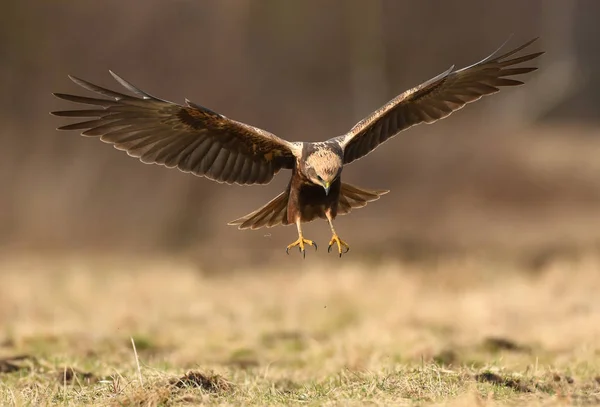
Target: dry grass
[464,332]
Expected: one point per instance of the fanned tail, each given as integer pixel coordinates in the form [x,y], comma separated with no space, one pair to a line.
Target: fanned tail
[352,197]
[272,214]
[275,211]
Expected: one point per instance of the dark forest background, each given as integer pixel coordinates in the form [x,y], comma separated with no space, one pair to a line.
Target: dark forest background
[518,171]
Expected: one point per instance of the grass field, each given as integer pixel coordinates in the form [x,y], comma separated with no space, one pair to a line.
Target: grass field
[459,332]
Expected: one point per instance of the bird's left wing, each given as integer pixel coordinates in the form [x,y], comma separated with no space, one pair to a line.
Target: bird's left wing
[191,138]
[434,100]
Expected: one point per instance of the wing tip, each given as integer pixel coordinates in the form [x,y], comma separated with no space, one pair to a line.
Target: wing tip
[517,49]
[116,77]
[63,96]
[494,55]
[237,222]
[129,86]
[531,41]
[78,81]
[526,44]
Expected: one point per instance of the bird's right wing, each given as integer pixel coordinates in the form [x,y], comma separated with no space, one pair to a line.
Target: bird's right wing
[433,100]
[191,138]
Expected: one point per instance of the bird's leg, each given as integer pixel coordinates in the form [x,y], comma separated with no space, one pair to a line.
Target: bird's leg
[335,238]
[301,241]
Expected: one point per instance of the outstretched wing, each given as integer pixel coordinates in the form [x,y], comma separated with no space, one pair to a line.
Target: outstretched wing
[433,100]
[191,138]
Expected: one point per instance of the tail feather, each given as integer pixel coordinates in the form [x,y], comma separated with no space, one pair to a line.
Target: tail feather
[275,211]
[352,197]
[269,215]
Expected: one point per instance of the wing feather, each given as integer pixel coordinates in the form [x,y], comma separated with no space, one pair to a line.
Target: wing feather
[189,137]
[434,100]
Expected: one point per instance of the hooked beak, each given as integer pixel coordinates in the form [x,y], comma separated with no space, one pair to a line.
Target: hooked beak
[326,186]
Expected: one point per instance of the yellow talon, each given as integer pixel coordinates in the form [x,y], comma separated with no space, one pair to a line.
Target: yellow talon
[300,243]
[340,243]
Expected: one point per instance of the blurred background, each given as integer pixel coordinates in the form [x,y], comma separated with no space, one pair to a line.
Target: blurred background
[515,174]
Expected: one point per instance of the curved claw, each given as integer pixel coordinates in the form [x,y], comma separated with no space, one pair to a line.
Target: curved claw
[340,244]
[301,243]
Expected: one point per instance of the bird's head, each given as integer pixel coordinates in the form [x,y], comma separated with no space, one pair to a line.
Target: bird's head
[323,166]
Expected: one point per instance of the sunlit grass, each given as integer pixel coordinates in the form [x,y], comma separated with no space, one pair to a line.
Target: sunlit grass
[463,332]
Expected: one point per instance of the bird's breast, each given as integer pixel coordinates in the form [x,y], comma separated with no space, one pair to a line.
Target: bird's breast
[314,195]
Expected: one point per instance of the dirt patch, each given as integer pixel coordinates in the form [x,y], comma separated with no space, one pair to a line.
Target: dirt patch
[564,378]
[497,344]
[173,391]
[511,382]
[69,375]
[210,382]
[16,363]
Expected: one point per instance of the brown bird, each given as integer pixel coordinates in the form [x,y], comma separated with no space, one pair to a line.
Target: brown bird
[195,139]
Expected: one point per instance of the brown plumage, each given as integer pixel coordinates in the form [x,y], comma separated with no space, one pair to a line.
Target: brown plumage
[195,139]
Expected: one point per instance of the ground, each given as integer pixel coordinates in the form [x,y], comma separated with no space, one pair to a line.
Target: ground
[462,332]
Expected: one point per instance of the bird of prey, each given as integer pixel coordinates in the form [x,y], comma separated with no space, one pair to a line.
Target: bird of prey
[195,139]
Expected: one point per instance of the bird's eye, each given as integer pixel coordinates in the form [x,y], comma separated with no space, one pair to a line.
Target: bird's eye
[319,178]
